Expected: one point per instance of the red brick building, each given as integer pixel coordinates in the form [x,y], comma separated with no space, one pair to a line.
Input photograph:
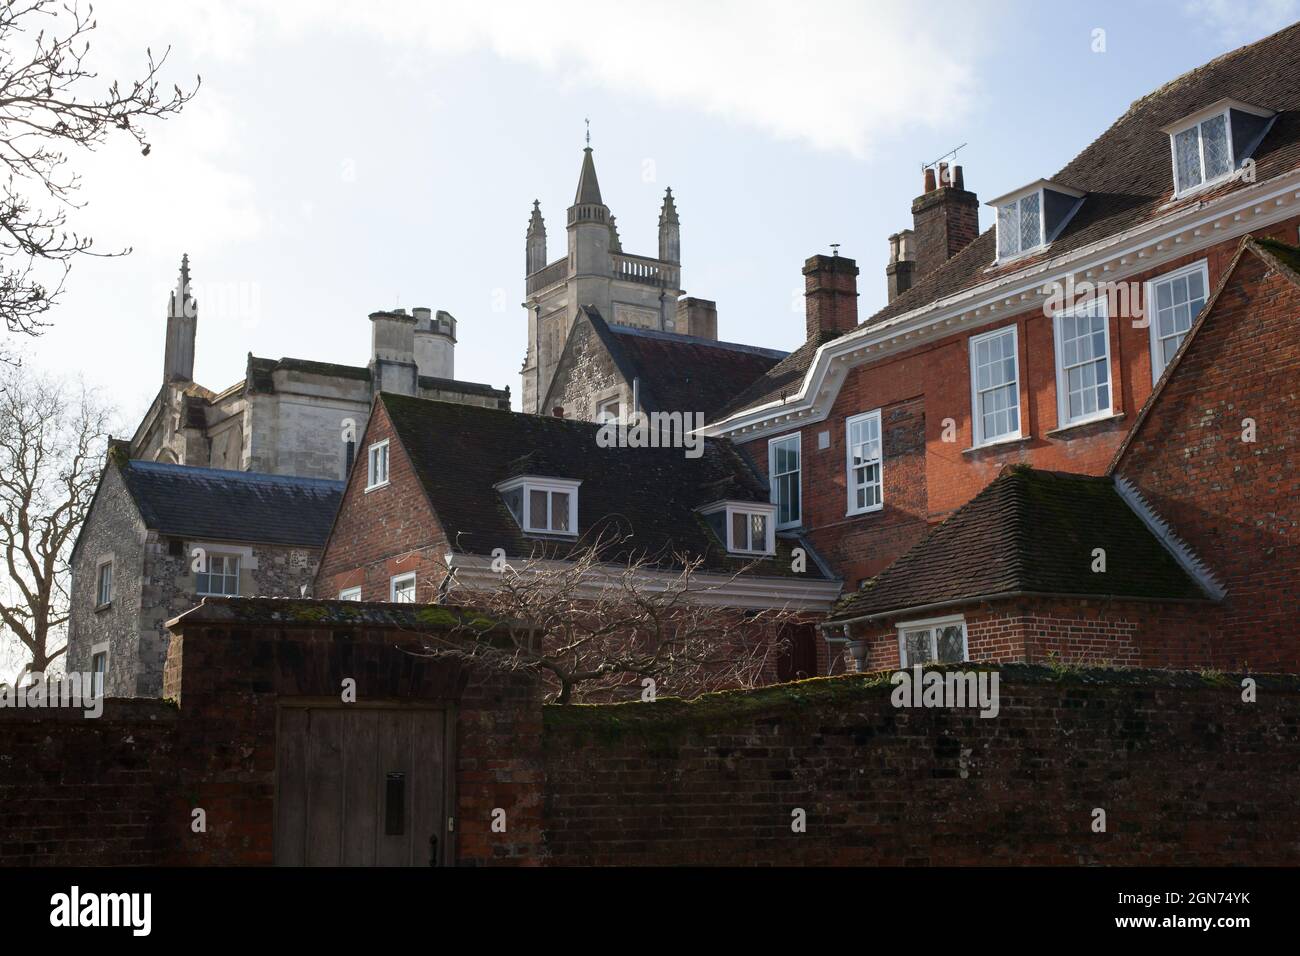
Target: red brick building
[441,488]
[1039,342]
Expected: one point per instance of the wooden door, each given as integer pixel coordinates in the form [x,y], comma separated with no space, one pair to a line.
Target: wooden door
[358,786]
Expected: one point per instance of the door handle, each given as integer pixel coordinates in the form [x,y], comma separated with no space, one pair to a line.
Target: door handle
[433,850]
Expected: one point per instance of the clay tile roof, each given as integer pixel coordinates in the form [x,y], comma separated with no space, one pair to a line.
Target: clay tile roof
[780,381]
[189,502]
[1126,171]
[1029,532]
[649,495]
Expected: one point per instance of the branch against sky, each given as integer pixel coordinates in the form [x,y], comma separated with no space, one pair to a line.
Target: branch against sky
[593,627]
[53,104]
[52,434]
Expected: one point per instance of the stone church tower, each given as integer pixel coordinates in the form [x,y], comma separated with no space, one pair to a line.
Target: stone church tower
[625,289]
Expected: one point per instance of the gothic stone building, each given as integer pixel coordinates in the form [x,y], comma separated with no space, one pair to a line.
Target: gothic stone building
[232,492]
[595,273]
[294,416]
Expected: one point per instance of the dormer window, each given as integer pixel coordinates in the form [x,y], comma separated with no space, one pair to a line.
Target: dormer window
[1034,216]
[745,527]
[542,505]
[1211,144]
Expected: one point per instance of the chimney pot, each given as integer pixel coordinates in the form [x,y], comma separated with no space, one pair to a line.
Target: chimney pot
[944,221]
[929,180]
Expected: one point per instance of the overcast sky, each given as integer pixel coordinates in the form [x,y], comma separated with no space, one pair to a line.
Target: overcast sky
[346,157]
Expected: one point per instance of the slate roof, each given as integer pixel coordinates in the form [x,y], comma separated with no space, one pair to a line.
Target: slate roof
[1126,173]
[1029,532]
[682,373]
[189,502]
[649,495]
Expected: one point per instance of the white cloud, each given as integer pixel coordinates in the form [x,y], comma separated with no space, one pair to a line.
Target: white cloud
[1241,21]
[837,74]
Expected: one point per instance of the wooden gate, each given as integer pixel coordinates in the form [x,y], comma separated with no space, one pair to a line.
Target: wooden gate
[362,786]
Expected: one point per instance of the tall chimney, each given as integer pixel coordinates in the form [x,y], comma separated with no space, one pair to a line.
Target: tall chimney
[945,219]
[830,294]
[902,263]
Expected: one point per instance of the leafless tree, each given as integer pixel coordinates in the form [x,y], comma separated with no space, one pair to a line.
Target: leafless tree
[52,435]
[596,629]
[51,103]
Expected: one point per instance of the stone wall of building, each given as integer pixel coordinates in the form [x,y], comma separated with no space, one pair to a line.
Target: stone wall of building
[113,530]
[169,589]
[586,376]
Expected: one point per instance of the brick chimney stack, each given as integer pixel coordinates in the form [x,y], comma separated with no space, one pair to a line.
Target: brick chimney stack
[902,262]
[830,294]
[945,219]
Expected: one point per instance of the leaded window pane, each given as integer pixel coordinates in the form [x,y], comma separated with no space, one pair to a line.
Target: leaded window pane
[1030,222]
[1214,139]
[949,640]
[917,644]
[1187,157]
[559,511]
[1008,229]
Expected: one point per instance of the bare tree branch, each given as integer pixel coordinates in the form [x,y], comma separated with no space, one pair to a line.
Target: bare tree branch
[596,630]
[51,444]
[46,110]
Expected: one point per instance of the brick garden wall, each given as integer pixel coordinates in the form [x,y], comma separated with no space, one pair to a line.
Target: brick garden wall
[85,792]
[1186,772]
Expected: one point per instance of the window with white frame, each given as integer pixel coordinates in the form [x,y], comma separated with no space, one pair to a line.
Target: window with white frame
[1020,225]
[865,478]
[1172,303]
[104,584]
[995,386]
[350,594]
[937,639]
[219,575]
[1202,153]
[1083,363]
[783,468]
[542,505]
[607,411]
[401,589]
[377,472]
[745,527]
[98,671]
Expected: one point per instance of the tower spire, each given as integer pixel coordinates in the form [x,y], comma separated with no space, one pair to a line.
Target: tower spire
[182,303]
[588,187]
